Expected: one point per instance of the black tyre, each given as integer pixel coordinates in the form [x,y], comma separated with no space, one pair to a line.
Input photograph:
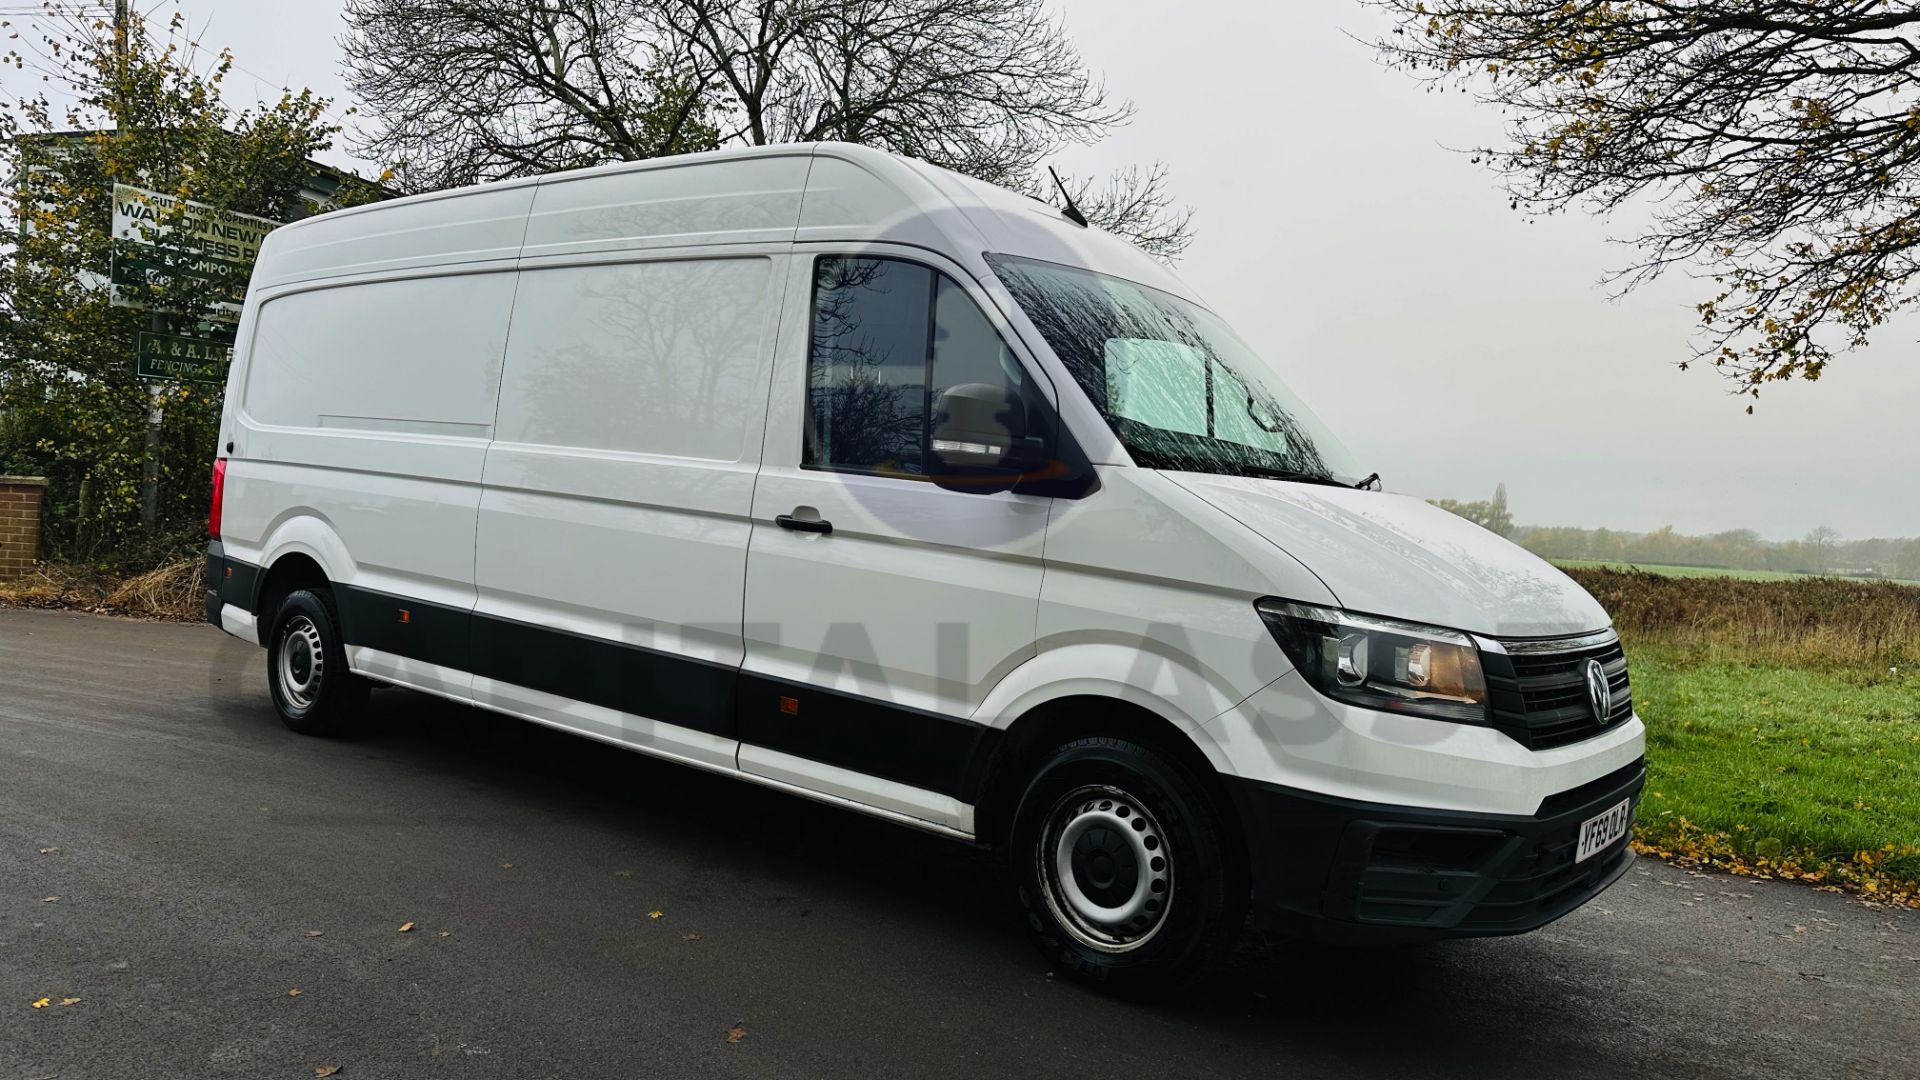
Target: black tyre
[313,691]
[1127,868]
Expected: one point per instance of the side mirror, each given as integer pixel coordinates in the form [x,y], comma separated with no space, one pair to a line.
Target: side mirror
[980,441]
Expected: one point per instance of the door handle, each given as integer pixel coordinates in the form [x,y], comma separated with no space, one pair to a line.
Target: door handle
[812,525]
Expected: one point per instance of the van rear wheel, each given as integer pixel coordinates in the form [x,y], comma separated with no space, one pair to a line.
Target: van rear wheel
[1124,865]
[312,689]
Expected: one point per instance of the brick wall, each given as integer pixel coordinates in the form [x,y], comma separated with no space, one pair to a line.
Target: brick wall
[19,524]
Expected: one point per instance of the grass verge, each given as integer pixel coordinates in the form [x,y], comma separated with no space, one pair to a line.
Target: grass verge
[171,592]
[1781,771]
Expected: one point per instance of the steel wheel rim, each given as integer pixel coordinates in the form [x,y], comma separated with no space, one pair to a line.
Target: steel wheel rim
[302,663]
[1106,868]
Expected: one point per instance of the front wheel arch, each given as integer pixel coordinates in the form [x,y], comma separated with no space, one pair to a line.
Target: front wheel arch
[1030,738]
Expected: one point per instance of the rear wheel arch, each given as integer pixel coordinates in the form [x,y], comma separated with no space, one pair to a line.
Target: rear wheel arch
[290,572]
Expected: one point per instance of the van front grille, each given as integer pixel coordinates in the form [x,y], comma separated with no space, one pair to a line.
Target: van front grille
[1538,689]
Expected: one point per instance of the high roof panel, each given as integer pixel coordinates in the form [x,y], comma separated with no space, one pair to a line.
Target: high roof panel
[799,192]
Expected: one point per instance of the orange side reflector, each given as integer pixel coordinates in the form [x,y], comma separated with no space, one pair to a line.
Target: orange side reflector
[789,706]
[405,615]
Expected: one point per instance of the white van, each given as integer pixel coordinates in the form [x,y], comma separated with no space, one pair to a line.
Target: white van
[850,476]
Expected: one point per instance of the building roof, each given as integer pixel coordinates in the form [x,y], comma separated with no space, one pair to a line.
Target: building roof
[322,181]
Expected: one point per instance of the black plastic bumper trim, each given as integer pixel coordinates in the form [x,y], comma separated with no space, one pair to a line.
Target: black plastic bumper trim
[229,581]
[1371,873]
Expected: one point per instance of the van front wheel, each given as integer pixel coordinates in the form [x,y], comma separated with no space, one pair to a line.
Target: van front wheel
[312,689]
[1125,869]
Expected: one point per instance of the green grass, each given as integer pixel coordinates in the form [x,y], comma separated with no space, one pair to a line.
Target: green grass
[1704,571]
[1782,760]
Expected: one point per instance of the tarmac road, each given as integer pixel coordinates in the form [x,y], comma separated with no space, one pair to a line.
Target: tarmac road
[198,846]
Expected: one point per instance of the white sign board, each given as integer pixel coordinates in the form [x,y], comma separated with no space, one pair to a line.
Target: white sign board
[221,246]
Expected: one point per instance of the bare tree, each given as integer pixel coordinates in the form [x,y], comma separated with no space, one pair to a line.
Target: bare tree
[465,90]
[1820,545]
[472,90]
[1135,203]
[1777,143]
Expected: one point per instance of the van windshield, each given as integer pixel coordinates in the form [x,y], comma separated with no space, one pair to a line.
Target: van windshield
[1179,388]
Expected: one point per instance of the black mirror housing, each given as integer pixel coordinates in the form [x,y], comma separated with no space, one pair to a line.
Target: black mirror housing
[987,439]
[979,441]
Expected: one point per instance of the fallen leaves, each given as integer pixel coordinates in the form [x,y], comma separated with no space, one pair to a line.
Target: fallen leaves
[690,937]
[736,1033]
[43,1003]
[446,933]
[46,1001]
[1863,873]
[295,992]
[325,1070]
[313,933]
[405,928]
[48,850]
[656,914]
[48,899]
[69,1001]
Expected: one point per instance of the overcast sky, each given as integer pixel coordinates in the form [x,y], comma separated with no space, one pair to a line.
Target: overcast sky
[1451,344]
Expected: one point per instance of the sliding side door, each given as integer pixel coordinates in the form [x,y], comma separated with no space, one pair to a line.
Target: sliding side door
[614,516]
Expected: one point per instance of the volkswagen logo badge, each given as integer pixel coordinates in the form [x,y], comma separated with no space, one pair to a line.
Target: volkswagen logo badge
[1599,692]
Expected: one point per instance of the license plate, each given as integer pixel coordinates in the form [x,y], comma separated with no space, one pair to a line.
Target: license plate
[1598,833]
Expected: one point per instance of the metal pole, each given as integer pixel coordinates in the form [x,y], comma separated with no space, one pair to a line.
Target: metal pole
[156,412]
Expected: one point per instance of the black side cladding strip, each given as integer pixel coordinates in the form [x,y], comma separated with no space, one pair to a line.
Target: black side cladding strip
[613,674]
[415,629]
[920,749]
[925,750]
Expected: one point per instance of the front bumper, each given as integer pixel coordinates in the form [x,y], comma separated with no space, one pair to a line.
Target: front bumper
[1368,873]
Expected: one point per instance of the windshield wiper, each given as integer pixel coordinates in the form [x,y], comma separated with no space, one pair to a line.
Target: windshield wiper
[1371,483]
[1151,458]
[1264,473]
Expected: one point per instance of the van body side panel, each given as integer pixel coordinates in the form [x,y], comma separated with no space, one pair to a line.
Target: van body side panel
[362,428]
[614,522]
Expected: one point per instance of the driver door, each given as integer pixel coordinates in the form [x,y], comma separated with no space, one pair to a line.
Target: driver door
[880,607]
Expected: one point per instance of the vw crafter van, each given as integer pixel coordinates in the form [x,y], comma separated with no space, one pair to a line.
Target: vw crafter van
[846,475]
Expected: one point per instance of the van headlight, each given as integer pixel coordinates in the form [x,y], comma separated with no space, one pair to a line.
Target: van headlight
[1380,663]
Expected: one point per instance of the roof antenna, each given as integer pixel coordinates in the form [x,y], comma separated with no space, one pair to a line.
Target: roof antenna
[1072,212]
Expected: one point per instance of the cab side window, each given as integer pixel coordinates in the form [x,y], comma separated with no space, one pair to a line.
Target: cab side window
[888,337]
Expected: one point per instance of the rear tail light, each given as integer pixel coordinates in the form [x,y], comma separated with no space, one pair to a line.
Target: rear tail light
[219,489]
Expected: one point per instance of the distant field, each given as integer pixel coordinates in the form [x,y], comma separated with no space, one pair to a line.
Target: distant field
[1704,571]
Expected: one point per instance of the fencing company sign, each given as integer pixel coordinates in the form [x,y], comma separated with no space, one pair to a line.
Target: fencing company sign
[202,244]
